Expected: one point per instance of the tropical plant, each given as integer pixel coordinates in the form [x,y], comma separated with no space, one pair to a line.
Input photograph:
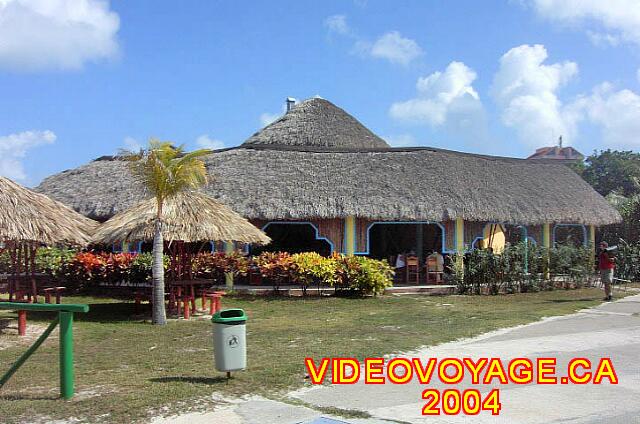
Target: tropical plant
[49,260]
[490,273]
[165,171]
[276,267]
[140,268]
[215,265]
[362,276]
[313,268]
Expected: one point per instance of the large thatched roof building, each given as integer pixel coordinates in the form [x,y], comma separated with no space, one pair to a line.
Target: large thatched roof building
[317,165]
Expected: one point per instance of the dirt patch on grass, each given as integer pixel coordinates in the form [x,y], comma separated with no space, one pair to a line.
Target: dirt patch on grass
[9,333]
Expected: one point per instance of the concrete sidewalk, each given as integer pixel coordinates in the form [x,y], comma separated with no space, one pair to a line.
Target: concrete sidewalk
[609,330]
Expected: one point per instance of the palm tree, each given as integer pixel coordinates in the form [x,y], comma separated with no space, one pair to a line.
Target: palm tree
[165,170]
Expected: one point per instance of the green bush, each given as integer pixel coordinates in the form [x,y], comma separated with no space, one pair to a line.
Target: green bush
[351,274]
[50,260]
[276,267]
[313,268]
[487,272]
[361,275]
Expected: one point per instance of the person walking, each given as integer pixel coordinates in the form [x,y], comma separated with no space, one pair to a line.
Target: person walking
[606,265]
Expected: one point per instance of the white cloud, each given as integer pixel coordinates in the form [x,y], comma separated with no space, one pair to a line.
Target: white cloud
[131,144]
[14,147]
[337,24]
[267,118]
[206,142]
[616,112]
[391,46]
[395,48]
[526,90]
[614,19]
[443,97]
[603,39]
[56,34]
[400,140]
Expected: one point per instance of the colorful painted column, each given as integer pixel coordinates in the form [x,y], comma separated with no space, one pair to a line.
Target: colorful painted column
[350,235]
[228,277]
[546,235]
[459,239]
[546,243]
[592,238]
[592,245]
[524,235]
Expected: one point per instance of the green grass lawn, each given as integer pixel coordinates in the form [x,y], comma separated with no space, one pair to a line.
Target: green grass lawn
[127,369]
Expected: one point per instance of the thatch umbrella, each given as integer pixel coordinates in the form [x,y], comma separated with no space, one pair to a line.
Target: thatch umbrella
[29,216]
[188,217]
[29,219]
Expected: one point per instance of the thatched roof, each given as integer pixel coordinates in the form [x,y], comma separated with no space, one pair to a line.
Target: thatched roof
[189,217]
[287,180]
[320,123]
[29,216]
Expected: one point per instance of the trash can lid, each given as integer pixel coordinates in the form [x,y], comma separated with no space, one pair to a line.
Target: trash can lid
[230,316]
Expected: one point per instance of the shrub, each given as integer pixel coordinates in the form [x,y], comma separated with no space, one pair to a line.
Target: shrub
[277,267]
[81,270]
[362,275]
[140,268]
[313,268]
[492,273]
[50,260]
[215,265]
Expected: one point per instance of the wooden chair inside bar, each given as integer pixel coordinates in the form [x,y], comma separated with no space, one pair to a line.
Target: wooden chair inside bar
[434,270]
[412,270]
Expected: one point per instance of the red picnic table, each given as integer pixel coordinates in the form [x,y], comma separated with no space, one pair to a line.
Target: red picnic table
[182,296]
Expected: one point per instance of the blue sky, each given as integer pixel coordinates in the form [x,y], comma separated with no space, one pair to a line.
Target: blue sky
[84,78]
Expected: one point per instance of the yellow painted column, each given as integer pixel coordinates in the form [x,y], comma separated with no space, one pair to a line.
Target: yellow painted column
[125,247]
[546,235]
[592,245]
[459,235]
[228,277]
[350,235]
[459,240]
[546,243]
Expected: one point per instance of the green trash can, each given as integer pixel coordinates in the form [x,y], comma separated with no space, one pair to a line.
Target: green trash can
[230,339]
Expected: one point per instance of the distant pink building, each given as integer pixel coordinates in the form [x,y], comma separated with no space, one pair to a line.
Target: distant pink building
[557,152]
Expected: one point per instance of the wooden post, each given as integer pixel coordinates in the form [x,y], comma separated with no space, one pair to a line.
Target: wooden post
[350,235]
[22,323]
[228,277]
[592,239]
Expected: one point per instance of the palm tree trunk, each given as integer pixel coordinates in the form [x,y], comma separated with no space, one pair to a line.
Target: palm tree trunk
[159,315]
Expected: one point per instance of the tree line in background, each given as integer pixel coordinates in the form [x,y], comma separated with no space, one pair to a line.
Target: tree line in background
[616,176]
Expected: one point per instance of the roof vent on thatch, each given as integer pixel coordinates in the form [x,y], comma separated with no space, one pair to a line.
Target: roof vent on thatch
[317,122]
[291,102]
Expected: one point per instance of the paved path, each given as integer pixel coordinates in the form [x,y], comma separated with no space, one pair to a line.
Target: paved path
[609,330]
